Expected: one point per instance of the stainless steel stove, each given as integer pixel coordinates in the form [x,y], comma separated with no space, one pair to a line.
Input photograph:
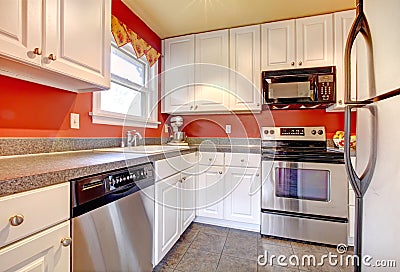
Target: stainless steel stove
[305,189]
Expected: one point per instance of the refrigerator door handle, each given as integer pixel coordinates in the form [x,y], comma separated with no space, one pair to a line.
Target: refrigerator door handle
[360,25]
[360,184]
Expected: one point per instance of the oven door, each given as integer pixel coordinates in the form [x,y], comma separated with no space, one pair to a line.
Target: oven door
[305,188]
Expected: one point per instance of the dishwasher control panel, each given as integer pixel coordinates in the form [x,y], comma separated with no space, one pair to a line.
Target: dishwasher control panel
[92,187]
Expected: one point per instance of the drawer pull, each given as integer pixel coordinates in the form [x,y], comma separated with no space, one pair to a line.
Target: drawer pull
[66,241]
[257,175]
[242,160]
[16,220]
[37,51]
[220,172]
[210,159]
[52,57]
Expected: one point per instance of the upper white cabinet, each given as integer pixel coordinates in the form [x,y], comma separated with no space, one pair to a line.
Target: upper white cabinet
[60,37]
[298,43]
[343,21]
[211,72]
[178,74]
[245,94]
[278,45]
[20,30]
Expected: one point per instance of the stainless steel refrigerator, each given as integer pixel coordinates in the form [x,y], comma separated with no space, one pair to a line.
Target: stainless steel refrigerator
[376,176]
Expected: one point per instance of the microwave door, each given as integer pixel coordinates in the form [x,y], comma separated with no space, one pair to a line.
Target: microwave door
[290,90]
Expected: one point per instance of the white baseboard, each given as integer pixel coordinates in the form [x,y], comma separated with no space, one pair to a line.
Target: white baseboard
[228,223]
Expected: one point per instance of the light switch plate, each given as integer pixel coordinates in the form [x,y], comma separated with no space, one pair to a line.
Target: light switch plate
[74,120]
[228,129]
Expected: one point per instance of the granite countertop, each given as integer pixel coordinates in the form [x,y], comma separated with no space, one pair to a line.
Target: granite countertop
[26,172]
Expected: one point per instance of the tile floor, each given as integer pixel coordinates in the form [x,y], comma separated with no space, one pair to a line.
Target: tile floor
[211,248]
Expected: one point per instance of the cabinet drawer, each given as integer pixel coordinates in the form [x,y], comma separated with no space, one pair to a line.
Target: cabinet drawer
[40,208]
[40,252]
[189,160]
[242,160]
[211,158]
[167,167]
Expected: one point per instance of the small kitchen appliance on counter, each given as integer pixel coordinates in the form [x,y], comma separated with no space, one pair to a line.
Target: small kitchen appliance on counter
[178,137]
[304,187]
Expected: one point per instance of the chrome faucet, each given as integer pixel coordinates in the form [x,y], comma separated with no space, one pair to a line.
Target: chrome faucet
[132,140]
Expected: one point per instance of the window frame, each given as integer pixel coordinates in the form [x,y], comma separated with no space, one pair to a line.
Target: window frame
[150,89]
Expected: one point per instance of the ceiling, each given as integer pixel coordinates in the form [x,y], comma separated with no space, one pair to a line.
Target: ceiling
[169,18]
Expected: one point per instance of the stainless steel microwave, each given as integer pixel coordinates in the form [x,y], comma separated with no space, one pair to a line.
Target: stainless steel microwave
[300,86]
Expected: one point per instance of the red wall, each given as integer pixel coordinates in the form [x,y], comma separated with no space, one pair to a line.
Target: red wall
[248,125]
[33,110]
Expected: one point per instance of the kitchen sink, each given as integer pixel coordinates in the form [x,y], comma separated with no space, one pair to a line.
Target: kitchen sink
[143,149]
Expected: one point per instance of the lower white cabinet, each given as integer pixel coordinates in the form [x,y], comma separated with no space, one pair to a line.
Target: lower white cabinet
[174,202]
[167,215]
[229,194]
[43,251]
[242,202]
[210,192]
[188,200]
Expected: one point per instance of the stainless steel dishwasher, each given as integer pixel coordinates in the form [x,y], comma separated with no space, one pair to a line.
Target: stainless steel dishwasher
[112,220]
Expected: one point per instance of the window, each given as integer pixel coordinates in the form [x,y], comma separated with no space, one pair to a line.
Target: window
[133,96]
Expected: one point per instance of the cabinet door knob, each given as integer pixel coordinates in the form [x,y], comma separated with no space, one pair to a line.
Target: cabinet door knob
[258,174]
[220,172]
[183,179]
[340,102]
[242,160]
[52,57]
[196,107]
[66,241]
[210,159]
[191,107]
[292,63]
[258,104]
[37,51]
[16,220]
[300,63]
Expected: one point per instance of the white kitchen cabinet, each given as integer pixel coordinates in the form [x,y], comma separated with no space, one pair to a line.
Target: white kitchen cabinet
[64,47]
[178,76]
[228,192]
[43,251]
[245,92]
[210,192]
[212,73]
[343,21]
[34,210]
[188,199]
[174,201]
[278,45]
[242,187]
[314,41]
[20,30]
[298,43]
[35,235]
[167,214]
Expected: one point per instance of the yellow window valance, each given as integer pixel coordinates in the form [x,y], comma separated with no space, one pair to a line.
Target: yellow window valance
[123,35]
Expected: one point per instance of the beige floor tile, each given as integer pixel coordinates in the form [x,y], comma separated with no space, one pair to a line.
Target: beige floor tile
[245,248]
[236,233]
[209,242]
[212,229]
[233,264]
[173,257]
[307,246]
[197,260]
[272,252]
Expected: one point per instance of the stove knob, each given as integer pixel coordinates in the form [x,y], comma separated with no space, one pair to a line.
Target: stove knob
[313,132]
[266,131]
[271,132]
[320,132]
